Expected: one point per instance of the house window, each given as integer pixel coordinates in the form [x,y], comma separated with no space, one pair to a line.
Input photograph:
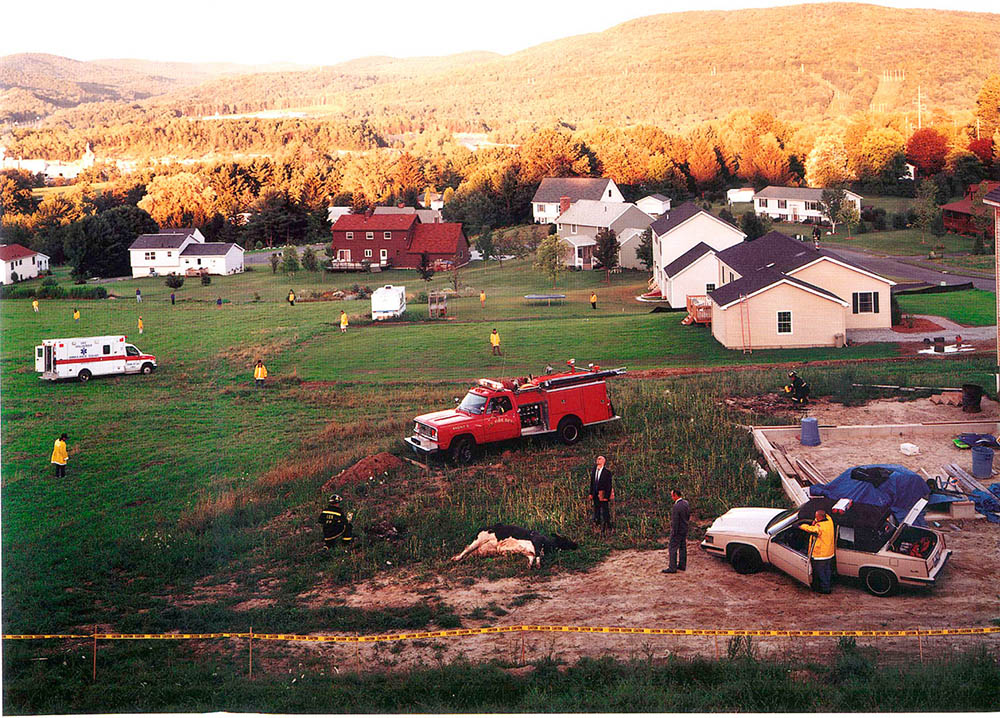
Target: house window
[368,253]
[762,203]
[199,261]
[609,193]
[812,206]
[540,208]
[369,235]
[151,256]
[865,302]
[168,254]
[350,235]
[784,322]
[782,204]
[573,228]
[383,255]
[387,235]
[709,288]
[559,227]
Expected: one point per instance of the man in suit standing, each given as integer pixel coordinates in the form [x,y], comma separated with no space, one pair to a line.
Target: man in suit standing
[680,515]
[601,493]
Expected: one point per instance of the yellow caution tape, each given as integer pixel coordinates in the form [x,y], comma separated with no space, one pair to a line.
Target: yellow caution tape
[457,632]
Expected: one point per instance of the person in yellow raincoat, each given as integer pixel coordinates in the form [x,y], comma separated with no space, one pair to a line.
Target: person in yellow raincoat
[259,374]
[34,305]
[343,322]
[495,342]
[291,298]
[482,299]
[593,300]
[822,548]
[140,325]
[60,456]
[76,315]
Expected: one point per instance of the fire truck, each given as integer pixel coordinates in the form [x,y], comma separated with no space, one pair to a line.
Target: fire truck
[561,404]
[85,357]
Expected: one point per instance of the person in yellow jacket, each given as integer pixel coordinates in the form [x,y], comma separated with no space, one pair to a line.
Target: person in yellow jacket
[482,298]
[343,322]
[495,342]
[822,548]
[60,456]
[259,374]
[34,305]
[140,325]
[593,300]
[291,298]
[76,315]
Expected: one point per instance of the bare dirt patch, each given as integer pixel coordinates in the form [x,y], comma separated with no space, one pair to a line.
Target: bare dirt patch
[382,464]
[917,324]
[896,411]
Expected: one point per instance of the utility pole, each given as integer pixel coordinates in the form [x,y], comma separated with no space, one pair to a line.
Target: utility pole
[977,128]
[920,109]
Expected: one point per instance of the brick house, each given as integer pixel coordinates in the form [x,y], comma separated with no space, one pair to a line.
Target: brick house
[396,240]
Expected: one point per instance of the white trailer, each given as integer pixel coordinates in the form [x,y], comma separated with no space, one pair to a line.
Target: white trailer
[85,357]
[388,302]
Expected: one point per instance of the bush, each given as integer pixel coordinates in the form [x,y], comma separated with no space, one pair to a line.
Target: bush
[899,220]
[421,298]
[895,311]
[259,245]
[51,291]
[863,227]
[12,291]
[206,279]
[174,281]
[88,293]
[49,282]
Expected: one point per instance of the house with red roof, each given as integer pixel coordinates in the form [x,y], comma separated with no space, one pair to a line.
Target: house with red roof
[396,240]
[959,217]
[18,263]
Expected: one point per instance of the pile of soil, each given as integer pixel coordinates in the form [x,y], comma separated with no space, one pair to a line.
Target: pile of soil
[770,403]
[377,465]
[919,325]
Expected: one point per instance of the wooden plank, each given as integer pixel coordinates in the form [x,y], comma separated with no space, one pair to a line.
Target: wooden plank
[808,473]
[816,472]
[969,478]
[787,467]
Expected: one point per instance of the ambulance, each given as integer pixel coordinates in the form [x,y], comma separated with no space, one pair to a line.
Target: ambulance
[85,357]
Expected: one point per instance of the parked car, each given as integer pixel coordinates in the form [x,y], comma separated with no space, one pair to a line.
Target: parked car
[871,545]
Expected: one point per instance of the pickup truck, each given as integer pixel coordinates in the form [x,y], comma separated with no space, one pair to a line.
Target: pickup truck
[561,404]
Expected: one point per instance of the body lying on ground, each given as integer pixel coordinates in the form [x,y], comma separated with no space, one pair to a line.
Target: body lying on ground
[501,538]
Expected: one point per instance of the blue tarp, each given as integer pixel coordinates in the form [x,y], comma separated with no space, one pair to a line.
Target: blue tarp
[988,504]
[899,492]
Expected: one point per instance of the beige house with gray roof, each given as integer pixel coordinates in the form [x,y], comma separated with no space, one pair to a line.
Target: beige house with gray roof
[578,227]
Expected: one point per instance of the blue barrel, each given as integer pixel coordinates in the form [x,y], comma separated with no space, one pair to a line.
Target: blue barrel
[982,462]
[810,432]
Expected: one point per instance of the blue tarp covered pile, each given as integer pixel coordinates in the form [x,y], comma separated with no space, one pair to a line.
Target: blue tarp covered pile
[988,504]
[889,485]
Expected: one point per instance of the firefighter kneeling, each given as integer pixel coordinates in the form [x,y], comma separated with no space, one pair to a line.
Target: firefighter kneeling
[798,389]
[336,525]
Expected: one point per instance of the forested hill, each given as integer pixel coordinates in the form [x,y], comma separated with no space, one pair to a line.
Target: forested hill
[805,62]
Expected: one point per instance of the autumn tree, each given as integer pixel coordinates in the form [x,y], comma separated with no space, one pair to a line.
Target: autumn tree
[983,149]
[644,251]
[15,192]
[925,206]
[988,106]
[849,215]
[552,153]
[832,201]
[826,163]
[606,251]
[549,258]
[180,200]
[878,149]
[926,150]
[771,161]
[703,164]
[407,178]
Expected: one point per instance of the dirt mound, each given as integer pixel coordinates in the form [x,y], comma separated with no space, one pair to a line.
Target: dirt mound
[770,403]
[368,467]
[917,324]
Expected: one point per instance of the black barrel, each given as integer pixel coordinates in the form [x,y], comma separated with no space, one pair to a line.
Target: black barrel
[972,395]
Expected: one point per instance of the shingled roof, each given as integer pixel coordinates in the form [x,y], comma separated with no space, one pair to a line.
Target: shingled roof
[14,251]
[993,196]
[438,238]
[207,249]
[164,239]
[774,250]
[552,189]
[760,280]
[687,259]
[374,223]
[680,214]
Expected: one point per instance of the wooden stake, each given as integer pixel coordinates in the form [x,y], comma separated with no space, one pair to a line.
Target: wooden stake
[95,654]
[522,651]
[716,647]
[920,646]
[251,652]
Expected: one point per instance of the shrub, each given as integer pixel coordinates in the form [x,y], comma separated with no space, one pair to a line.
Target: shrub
[863,227]
[174,281]
[895,310]
[50,291]
[258,245]
[421,298]
[899,220]
[206,279]
[49,282]
[88,293]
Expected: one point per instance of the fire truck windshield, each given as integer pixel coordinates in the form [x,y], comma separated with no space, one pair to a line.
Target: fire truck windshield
[472,403]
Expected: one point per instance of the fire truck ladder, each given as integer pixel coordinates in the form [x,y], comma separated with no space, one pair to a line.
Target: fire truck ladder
[745,325]
[581,377]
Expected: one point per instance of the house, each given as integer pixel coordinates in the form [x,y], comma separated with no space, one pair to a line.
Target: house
[427,216]
[740,194]
[992,199]
[182,251]
[654,205]
[436,200]
[580,222]
[18,263]
[548,201]
[959,216]
[777,292]
[685,243]
[796,204]
[397,239]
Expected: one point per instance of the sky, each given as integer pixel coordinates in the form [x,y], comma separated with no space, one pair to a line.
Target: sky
[325,32]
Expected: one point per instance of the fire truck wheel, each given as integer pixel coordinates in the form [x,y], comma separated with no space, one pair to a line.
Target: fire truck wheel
[463,450]
[569,430]
[147,368]
[84,375]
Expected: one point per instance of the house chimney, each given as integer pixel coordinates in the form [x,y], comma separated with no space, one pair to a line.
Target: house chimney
[369,212]
[564,204]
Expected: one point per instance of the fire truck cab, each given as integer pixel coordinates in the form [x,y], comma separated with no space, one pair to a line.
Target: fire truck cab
[85,357]
[561,404]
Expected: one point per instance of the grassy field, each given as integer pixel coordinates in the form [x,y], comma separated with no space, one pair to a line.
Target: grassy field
[974,307]
[189,478]
[979,263]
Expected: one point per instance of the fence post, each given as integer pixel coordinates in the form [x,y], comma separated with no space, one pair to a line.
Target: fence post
[920,646]
[94,678]
[251,653]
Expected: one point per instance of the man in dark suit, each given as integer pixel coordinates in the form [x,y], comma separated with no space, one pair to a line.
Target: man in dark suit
[680,515]
[601,493]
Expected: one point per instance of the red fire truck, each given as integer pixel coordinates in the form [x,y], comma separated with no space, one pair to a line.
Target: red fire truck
[500,410]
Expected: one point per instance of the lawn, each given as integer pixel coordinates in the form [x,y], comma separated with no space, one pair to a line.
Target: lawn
[978,263]
[189,478]
[974,307]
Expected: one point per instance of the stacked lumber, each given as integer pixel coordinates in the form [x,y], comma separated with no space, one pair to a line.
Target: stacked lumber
[967,481]
[789,466]
[810,472]
[948,398]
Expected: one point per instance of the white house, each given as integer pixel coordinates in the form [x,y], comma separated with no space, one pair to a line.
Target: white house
[796,204]
[18,263]
[579,224]
[654,205]
[739,194]
[436,198]
[685,242]
[178,251]
[426,216]
[556,194]
[335,213]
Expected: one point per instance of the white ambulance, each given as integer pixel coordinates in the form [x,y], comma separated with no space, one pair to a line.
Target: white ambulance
[84,357]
